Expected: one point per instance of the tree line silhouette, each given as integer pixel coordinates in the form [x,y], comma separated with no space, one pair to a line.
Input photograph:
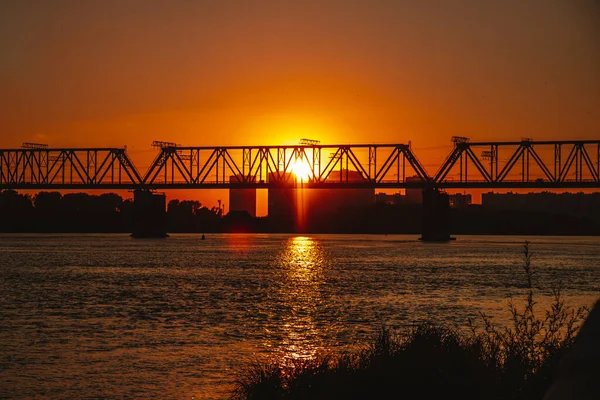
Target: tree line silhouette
[109,212]
[83,212]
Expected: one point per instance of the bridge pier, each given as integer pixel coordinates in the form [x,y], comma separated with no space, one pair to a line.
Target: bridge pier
[149,214]
[436,216]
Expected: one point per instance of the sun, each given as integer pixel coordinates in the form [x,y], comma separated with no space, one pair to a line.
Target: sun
[302,170]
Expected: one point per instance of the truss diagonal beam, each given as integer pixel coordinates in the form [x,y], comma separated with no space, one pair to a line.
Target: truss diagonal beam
[445,168]
[510,164]
[541,164]
[414,163]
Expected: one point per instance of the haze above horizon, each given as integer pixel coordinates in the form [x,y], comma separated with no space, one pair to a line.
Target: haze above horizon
[110,73]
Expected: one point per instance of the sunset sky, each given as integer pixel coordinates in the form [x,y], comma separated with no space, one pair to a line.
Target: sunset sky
[110,73]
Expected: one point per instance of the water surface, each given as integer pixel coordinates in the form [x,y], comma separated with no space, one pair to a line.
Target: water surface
[104,316]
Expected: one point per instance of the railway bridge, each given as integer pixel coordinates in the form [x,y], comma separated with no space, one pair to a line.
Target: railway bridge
[524,164]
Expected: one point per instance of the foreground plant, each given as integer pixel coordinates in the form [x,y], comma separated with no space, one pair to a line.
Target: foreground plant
[432,362]
[528,349]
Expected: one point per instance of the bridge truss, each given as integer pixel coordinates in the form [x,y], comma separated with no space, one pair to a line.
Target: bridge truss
[39,167]
[526,163]
[267,166]
[523,164]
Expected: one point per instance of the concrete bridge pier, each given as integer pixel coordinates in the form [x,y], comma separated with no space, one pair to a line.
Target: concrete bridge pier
[149,214]
[436,216]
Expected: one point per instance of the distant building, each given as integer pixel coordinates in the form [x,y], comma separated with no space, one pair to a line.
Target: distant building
[346,198]
[149,214]
[459,200]
[282,205]
[579,205]
[395,199]
[299,209]
[384,198]
[242,199]
[414,195]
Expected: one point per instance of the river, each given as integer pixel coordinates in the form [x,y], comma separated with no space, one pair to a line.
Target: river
[107,316]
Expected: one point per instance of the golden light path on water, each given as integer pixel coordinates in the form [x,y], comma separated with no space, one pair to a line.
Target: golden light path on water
[302,265]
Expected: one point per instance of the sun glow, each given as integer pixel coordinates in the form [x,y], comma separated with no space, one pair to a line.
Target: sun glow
[301,169]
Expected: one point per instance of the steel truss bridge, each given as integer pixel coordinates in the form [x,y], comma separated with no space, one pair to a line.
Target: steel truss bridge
[523,164]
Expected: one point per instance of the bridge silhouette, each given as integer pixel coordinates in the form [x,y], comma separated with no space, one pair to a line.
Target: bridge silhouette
[520,164]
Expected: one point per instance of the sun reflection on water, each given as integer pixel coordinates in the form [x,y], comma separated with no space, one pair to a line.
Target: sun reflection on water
[302,276]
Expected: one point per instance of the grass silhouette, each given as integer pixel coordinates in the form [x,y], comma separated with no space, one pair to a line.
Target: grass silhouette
[484,361]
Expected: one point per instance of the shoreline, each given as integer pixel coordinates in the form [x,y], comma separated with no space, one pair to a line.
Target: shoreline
[455,236]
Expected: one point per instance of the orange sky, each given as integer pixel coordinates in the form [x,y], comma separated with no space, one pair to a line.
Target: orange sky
[116,72]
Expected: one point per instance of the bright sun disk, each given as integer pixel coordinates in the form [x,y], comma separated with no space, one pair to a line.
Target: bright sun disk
[301,169]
